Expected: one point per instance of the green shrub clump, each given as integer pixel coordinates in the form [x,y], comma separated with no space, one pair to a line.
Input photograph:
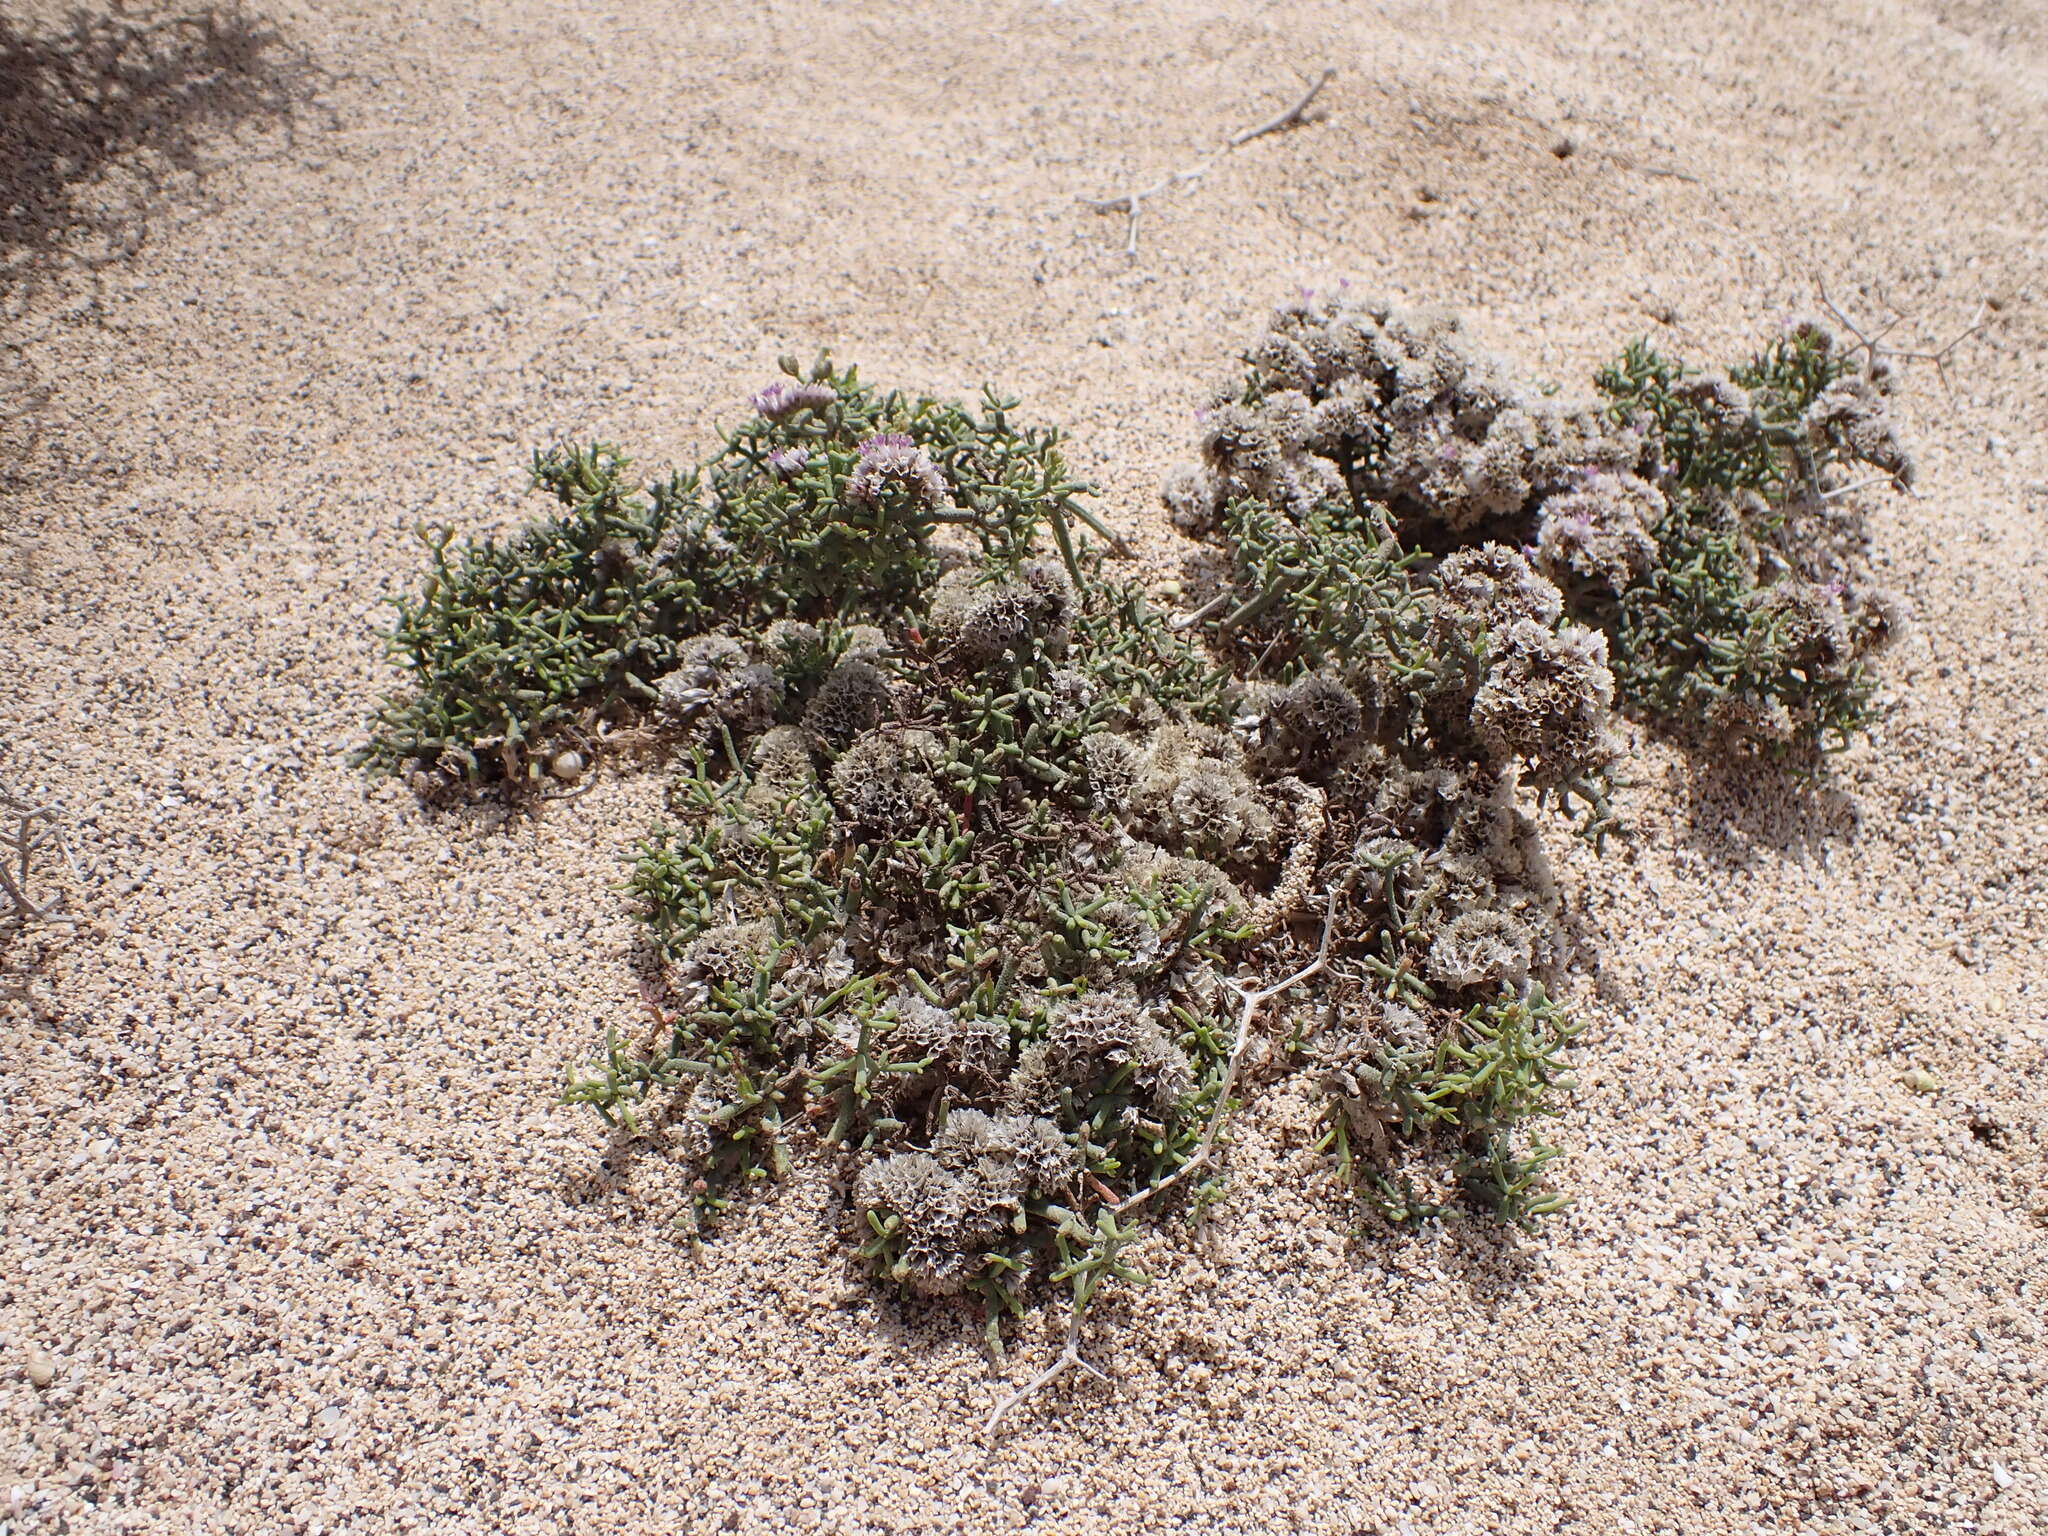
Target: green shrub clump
[985,875]
[975,864]
[823,505]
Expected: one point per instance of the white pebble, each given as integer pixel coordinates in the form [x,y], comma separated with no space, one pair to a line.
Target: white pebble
[567,766]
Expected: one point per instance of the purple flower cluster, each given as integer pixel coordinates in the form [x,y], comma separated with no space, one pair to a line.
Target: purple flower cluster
[890,461]
[785,397]
[787,463]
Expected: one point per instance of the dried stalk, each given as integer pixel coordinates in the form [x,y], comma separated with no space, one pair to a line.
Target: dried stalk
[1249,1003]
[1870,344]
[1129,203]
[26,828]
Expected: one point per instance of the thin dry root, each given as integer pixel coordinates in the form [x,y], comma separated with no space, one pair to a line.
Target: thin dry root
[1249,1003]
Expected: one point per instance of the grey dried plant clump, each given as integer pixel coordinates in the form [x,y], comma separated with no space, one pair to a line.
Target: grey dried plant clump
[1600,539]
[1668,512]
[1351,398]
[942,1213]
[985,622]
[1101,1037]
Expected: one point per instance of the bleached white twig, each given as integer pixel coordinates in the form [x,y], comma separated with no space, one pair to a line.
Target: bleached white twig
[1870,345]
[1854,486]
[1129,203]
[31,827]
[1249,1003]
[1186,621]
[1068,1359]
[1287,119]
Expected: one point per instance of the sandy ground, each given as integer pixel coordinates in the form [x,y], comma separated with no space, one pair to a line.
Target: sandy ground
[296,1237]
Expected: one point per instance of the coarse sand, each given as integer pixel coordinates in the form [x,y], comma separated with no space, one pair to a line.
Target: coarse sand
[297,1237]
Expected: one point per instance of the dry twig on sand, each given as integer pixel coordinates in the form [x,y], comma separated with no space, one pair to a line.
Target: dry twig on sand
[1129,203]
[24,829]
[1871,343]
[1250,1001]
[1630,163]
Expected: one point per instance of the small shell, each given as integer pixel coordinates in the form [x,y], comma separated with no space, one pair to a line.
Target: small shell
[567,766]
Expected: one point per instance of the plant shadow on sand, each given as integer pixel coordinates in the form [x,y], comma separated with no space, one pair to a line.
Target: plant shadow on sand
[1737,810]
[102,121]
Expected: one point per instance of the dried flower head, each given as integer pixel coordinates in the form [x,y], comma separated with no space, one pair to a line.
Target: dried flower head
[1480,948]
[1851,413]
[851,700]
[885,782]
[985,617]
[1599,538]
[787,463]
[1545,702]
[1100,1038]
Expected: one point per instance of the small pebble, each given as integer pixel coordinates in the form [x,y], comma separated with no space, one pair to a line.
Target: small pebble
[42,1370]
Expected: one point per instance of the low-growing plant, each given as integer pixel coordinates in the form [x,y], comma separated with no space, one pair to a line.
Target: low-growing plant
[984,874]
[975,861]
[1748,622]
[1701,521]
[823,506]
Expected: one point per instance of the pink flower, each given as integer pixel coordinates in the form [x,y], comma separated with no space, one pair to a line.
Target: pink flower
[890,461]
[785,397]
